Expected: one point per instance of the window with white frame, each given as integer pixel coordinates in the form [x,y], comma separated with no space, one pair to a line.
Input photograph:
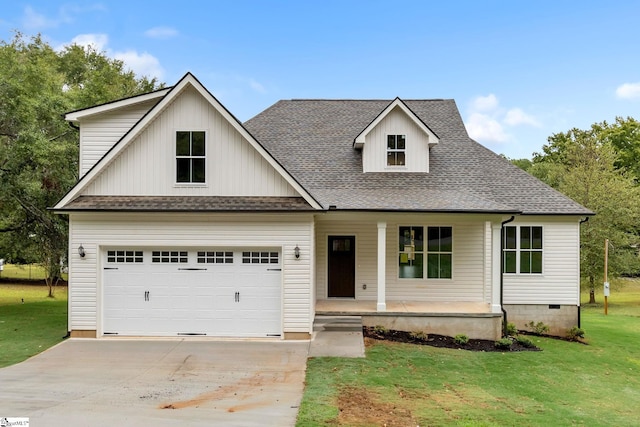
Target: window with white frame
[438,252]
[522,249]
[411,253]
[190,157]
[396,150]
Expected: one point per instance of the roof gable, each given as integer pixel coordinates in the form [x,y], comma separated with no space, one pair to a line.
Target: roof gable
[360,139]
[188,81]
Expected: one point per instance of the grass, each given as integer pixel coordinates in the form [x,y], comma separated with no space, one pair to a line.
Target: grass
[567,384]
[22,272]
[29,328]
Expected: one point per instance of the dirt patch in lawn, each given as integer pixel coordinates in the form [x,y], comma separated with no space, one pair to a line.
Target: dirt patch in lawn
[441,340]
[360,407]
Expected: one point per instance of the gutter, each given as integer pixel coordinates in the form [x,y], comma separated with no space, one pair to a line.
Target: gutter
[582,221]
[504,312]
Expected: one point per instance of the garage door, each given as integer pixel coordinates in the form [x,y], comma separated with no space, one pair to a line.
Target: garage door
[212,292]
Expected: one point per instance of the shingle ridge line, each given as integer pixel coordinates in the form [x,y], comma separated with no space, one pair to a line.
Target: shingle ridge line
[367,99]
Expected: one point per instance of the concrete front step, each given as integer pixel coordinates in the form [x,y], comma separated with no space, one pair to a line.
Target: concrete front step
[337,336]
[338,323]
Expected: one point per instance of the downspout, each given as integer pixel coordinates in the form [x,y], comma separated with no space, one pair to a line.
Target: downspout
[582,221]
[504,312]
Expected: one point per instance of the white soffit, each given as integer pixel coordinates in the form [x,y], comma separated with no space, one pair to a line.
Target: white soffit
[76,116]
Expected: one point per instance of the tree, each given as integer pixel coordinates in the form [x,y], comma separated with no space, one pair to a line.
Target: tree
[38,149]
[586,166]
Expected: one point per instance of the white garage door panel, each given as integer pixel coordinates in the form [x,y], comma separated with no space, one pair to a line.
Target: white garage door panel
[216,299]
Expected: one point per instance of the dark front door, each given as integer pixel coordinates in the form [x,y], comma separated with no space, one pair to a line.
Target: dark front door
[342,266]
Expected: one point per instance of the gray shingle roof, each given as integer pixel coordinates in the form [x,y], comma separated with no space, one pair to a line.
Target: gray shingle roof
[313,140]
[188,204]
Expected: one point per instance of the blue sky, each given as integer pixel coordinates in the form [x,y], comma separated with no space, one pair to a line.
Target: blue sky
[519,71]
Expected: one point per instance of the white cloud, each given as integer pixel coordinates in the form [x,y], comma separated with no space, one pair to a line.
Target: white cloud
[257,86]
[516,116]
[161,32]
[66,14]
[96,41]
[485,103]
[628,91]
[487,121]
[483,127]
[143,64]
[33,20]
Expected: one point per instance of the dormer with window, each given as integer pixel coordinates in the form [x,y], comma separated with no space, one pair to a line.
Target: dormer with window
[396,141]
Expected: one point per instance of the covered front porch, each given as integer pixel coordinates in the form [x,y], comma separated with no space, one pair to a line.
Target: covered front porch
[474,319]
[433,273]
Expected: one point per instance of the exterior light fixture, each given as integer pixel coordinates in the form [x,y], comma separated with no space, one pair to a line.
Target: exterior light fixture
[296,251]
[81,251]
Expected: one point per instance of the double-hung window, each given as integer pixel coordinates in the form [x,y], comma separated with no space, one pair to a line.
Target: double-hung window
[411,256]
[522,250]
[190,157]
[396,150]
[438,252]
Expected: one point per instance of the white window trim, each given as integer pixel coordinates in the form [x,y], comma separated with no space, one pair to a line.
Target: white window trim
[177,184]
[425,253]
[518,249]
[388,150]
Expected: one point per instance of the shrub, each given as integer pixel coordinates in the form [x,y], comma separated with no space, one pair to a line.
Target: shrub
[538,328]
[504,343]
[461,339]
[524,341]
[379,329]
[575,333]
[419,335]
[511,329]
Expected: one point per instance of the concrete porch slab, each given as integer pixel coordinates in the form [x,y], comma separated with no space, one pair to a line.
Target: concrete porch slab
[337,307]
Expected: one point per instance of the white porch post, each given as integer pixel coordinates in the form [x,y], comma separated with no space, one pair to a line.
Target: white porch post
[496,253]
[382,263]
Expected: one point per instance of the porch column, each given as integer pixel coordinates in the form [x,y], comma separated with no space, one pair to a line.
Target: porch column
[382,263]
[496,253]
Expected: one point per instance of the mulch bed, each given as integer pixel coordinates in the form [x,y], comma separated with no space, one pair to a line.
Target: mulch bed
[441,341]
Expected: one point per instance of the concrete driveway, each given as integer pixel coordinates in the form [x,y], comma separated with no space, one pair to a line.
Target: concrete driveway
[157,383]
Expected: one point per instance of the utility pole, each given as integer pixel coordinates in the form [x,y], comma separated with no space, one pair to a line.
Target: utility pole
[606,282]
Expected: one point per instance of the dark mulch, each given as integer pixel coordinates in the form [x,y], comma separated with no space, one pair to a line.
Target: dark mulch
[441,341]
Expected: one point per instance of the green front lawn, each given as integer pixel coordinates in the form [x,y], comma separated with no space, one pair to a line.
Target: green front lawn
[29,328]
[565,384]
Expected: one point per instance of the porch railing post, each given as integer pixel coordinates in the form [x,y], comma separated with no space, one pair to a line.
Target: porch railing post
[496,253]
[382,262]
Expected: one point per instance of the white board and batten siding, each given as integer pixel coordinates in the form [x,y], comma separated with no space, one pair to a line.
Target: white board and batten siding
[470,280]
[374,154]
[147,166]
[559,282]
[95,232]
[99,132]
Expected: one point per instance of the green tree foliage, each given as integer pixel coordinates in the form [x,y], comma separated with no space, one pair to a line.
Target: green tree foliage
[592,179]
[38,149]
[595,167]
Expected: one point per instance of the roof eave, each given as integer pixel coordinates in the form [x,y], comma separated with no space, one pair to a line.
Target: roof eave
[77,115]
